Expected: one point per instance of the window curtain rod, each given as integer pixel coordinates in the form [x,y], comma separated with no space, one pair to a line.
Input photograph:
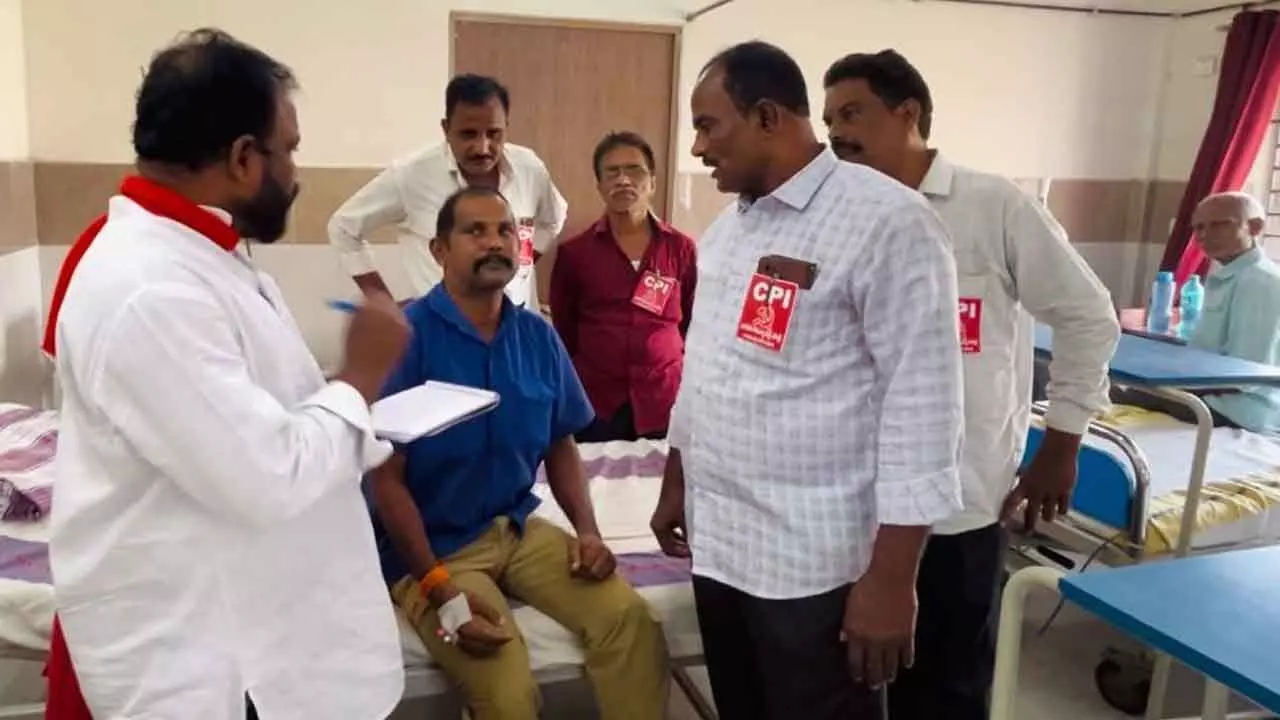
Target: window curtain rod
[690,17]
[1232,6]
[1061,8]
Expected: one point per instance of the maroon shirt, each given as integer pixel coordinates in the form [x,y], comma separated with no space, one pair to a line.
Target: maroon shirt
[624,353]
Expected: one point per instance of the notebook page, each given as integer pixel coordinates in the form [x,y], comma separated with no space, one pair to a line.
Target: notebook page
[428,409]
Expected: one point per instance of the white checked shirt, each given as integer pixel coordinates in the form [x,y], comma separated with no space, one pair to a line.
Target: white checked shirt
[792,458]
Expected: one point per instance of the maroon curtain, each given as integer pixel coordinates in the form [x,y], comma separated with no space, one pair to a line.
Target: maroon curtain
[1248,90]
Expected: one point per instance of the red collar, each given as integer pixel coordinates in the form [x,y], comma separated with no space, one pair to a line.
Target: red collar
[155,199]
[160,200]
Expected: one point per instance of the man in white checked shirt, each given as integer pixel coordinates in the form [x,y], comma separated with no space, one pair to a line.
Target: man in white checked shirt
[817,432]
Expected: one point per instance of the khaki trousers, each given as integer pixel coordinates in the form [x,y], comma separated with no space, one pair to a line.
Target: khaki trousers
[625,649]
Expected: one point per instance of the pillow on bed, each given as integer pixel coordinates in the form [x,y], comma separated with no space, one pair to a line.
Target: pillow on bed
[28,443]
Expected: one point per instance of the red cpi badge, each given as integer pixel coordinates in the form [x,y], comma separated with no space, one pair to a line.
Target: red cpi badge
[524,233]
[971,325]
[652,292]
[767,310]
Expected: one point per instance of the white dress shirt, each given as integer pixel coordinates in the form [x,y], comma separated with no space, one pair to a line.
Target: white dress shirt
[209,536]
[793,458]
[409,194]
[1016,266]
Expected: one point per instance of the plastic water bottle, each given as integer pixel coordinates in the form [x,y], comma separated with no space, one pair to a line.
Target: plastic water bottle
[1160,312]
[1190,305]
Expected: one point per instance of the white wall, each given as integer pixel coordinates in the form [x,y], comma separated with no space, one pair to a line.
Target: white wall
[373,75]
[22,368]
[1189,85]
[1023,92]
[13,83]
[1027,93]
[1017,91]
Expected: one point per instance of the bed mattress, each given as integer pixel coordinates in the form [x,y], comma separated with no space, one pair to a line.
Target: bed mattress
[1241,495]
[624,479]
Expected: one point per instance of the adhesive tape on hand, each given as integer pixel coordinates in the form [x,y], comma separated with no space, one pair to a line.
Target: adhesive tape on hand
[454,614]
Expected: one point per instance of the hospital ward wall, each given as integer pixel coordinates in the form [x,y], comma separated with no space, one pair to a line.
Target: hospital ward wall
[22,368]
[1193,50]
[1035,95]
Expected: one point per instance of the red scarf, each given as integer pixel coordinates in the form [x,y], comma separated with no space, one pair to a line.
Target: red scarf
[155,199]
[64,699]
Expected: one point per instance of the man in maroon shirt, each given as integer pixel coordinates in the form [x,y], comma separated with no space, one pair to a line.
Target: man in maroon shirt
[621,297]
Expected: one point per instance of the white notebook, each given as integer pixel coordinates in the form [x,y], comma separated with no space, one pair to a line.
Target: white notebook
[429,409]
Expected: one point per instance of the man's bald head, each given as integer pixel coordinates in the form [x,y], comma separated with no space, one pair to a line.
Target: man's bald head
[1228,224]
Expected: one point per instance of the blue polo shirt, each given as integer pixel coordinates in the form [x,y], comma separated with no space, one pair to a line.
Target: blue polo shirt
[477,471]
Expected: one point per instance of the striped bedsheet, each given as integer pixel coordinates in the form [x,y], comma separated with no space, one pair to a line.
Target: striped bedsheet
[28,443]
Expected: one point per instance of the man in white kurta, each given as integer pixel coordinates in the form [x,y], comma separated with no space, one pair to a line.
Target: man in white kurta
[210,540]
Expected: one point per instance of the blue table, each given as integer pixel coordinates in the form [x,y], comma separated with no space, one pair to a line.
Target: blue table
[1161,337]
[1218,614]
[1169,371]
[1142,361]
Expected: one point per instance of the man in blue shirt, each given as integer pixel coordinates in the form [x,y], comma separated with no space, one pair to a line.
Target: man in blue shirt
[1241,316]
[453,512]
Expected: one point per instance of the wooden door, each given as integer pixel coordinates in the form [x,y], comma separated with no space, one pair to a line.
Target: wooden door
[571,83]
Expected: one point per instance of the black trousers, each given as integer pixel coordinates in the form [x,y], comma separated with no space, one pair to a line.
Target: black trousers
[622,426]
[779,659]
[958,591]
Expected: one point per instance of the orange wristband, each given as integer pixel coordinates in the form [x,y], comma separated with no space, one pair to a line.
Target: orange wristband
[438,576]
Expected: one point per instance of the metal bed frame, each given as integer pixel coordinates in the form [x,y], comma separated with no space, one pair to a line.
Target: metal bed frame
[1122,676]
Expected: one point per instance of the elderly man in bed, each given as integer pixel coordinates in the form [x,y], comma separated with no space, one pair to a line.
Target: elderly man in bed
[1241,311]
[453,512]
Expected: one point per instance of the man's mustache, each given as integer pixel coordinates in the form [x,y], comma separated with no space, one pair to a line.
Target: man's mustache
[497,260]
[846,147]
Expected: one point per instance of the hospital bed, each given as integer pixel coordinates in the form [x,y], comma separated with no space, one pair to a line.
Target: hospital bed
[624,482]
[1150,487]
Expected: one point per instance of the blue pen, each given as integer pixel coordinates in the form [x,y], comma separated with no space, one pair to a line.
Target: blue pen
[345,306]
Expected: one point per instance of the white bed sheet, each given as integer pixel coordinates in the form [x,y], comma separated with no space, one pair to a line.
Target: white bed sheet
[623,506]
[1169,445]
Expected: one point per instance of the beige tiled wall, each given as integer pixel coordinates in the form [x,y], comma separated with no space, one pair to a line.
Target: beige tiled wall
[67,196]
[17,206]
[1118,226]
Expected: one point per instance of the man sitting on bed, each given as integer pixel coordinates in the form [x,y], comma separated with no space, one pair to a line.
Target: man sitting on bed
[1241,315]
[454,512]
